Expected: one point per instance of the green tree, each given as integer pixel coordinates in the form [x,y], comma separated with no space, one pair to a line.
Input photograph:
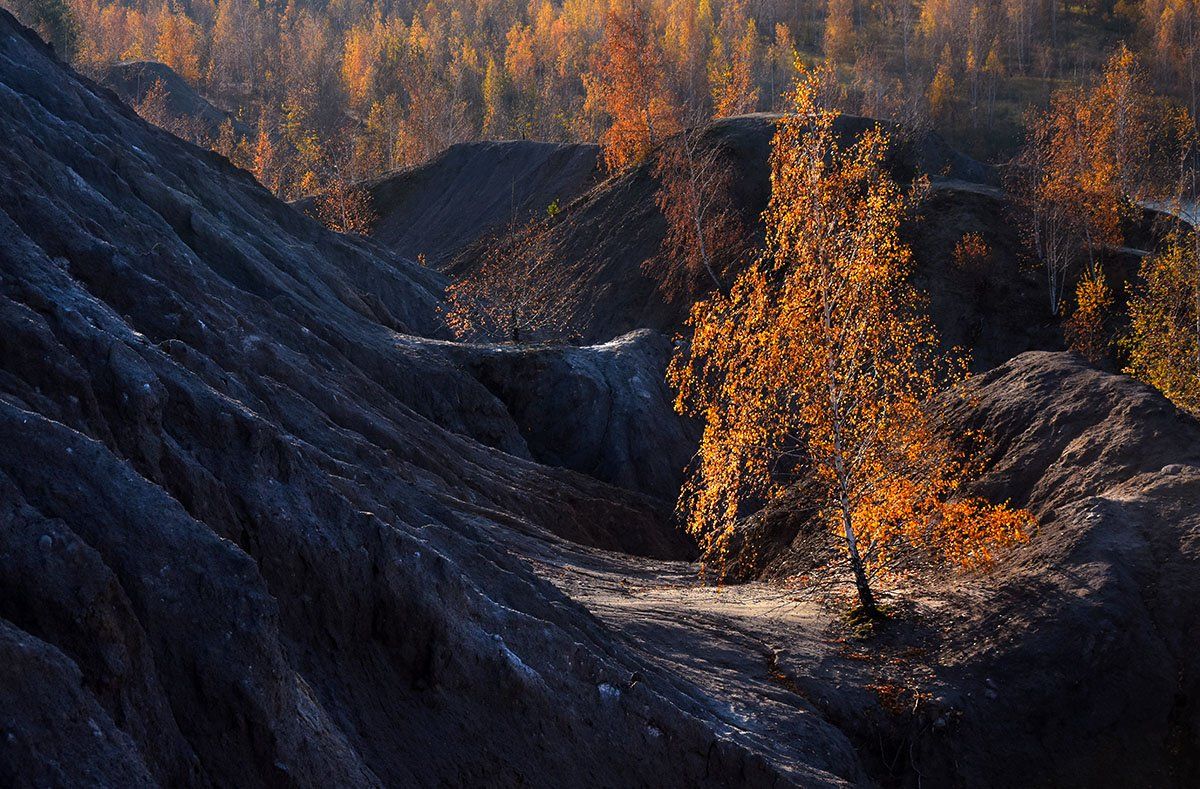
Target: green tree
[54,21]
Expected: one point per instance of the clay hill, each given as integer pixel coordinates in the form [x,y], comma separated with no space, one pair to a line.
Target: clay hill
[472,190]
[263,524]
[132,80]
[610,235]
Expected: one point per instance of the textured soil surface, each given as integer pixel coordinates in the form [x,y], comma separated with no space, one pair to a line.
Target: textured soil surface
[261,524]
[472,190]
[132,80]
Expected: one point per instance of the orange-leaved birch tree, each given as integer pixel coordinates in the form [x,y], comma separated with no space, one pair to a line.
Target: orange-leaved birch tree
[820,365]
[1088,159]
[630,84]
[518,292]
[345,207]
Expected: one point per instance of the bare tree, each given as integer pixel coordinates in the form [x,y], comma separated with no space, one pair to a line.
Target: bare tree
[519,292]
[704,232]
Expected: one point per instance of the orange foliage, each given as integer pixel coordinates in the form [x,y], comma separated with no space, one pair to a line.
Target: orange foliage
[628,83]
[265,164]
[839,30]
[178,39]
[731,63]
[820,365]
[346,208]
[1086,330]
[970,252]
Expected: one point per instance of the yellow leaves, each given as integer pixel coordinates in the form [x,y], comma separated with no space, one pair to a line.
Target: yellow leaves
[731,62]
[819,366]
[973,531]
[1164,316]
[1086,330]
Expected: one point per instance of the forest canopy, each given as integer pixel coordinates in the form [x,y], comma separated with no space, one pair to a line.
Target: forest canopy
[351,89]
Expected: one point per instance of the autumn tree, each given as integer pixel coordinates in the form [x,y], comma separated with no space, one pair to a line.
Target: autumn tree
[820,365]
[1087,159]
[628,83]
[781,59]
[1164,316]
[178,43]
[518,292]
[358,67]
[265,162]
[1087,329]
[732,62]
[1044,204]
[942,89]
[1174,29]
[346,207]
[154,108]
[839,30]
[704,231]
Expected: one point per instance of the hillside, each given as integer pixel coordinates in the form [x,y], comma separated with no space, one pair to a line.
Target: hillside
[132,80]
[471,190]
[264,524]
[611,236]
[1073,664]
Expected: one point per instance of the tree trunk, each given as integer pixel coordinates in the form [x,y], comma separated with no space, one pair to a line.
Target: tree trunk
[866,598]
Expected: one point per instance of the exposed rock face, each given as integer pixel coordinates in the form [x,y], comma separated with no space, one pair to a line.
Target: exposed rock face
[241,543]
[473,189]
[132,80]
[603,410]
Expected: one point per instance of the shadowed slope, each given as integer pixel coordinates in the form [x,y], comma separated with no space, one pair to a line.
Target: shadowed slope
[238,545]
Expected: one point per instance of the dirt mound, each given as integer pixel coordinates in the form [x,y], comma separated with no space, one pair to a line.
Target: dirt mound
[603,410]
[241,545]
[473,189]
[1083,646]
[608,234]
[1073,663]
[132,80]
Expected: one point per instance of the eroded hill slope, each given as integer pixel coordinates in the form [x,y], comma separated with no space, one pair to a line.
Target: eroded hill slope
[242,543]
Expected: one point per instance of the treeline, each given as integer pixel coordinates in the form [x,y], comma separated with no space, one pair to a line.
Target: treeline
[354,88]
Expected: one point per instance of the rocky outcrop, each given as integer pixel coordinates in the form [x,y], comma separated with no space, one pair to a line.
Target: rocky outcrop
[603,410]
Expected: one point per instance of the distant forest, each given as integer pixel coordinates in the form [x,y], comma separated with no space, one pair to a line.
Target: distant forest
[348,89]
